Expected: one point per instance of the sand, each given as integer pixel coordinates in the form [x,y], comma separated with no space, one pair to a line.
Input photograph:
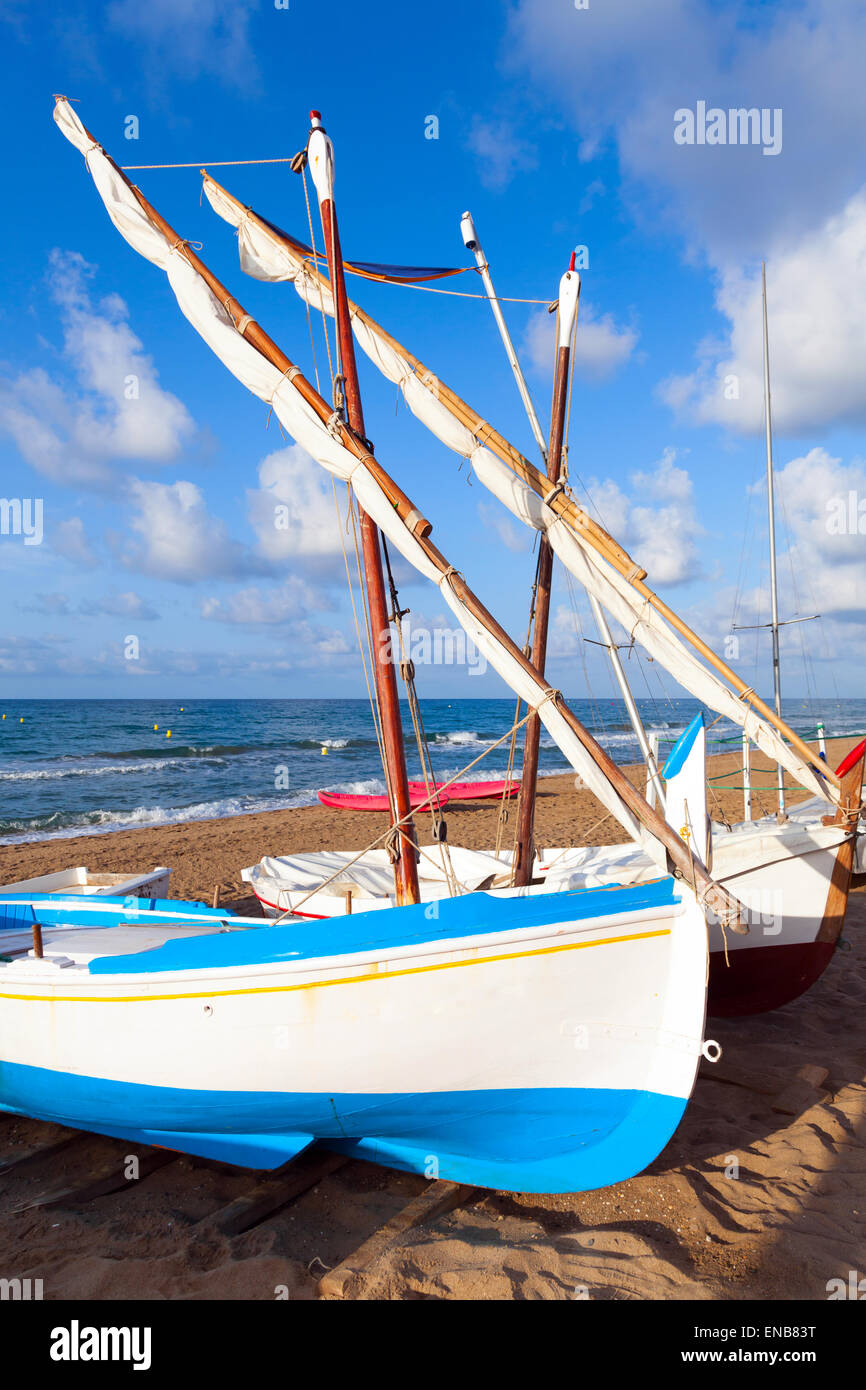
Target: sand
[745,1202]
[204,854]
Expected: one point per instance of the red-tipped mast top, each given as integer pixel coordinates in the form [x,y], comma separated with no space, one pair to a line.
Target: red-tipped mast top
[569,293]
[320,157]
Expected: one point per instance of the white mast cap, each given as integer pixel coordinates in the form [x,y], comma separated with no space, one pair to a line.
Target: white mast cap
[320,156]
[569,293]
[467,229]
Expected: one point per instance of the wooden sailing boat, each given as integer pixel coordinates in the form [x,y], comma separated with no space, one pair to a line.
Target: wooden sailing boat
[534,1041]
[793,876]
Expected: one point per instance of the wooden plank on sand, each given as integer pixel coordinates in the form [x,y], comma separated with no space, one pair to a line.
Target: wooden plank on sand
[434,1201]
[276,1192]
[803,1092]
[113,1181]
[39,1153]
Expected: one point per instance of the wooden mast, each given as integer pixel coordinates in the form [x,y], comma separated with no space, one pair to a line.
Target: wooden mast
[320,154]
[569,290]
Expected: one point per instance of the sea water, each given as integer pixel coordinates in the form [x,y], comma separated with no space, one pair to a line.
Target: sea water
[91,766]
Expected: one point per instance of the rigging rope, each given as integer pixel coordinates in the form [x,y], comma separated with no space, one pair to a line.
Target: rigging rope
[321,290]
[372,693]
[391,828]
[407,671]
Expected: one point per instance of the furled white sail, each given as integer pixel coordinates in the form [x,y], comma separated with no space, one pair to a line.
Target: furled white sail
[266,256]
[215,325]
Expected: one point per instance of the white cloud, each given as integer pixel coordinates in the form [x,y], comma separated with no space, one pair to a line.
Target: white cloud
[254,607]
[655,521]
[180,539]
[601,346]
[293,513]
[513,536]
[816,308]
[823,504]
[118,412]
[500,151]
[69,539]
[621,69]
[189,37]
[114,605]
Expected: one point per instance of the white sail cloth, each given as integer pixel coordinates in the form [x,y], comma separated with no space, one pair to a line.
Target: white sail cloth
[215,325]
[265,256]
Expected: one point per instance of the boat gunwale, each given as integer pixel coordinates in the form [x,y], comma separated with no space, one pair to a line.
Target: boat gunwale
[476,949]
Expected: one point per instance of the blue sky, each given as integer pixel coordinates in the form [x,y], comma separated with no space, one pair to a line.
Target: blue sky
[556,127]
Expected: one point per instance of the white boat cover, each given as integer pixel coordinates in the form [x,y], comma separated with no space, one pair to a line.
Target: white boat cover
[282,881]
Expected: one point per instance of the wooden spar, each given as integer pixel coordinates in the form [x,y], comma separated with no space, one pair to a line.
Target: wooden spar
[525,846]
[714,897]
[406,866]
[563,505]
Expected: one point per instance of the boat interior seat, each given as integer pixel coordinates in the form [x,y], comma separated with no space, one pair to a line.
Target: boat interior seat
[86,943]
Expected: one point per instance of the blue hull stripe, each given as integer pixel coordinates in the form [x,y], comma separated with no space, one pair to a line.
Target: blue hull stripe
[522,1140]
[53,910]
[387,928]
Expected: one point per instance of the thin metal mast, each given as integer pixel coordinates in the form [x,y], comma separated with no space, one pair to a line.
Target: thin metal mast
[771,514]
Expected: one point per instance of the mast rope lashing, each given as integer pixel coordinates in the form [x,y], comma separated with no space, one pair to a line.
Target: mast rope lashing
[182,241]
[288,375]
[554,492]
[243,324]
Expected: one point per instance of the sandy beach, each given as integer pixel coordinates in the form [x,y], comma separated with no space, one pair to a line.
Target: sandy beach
[760,1193]
[204,854]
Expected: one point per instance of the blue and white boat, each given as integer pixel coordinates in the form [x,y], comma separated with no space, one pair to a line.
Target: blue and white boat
[539,1043]
[524,1039]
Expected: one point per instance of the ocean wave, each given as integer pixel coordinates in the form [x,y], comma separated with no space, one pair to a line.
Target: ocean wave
[460,737]
[367,786]
[54,774]
[65,825]
[331,743]
[182,750]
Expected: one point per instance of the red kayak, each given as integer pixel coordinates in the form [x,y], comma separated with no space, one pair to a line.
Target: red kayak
[471,791]
[350,801]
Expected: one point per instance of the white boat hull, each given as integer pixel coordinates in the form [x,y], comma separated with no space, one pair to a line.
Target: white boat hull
[520,1044]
